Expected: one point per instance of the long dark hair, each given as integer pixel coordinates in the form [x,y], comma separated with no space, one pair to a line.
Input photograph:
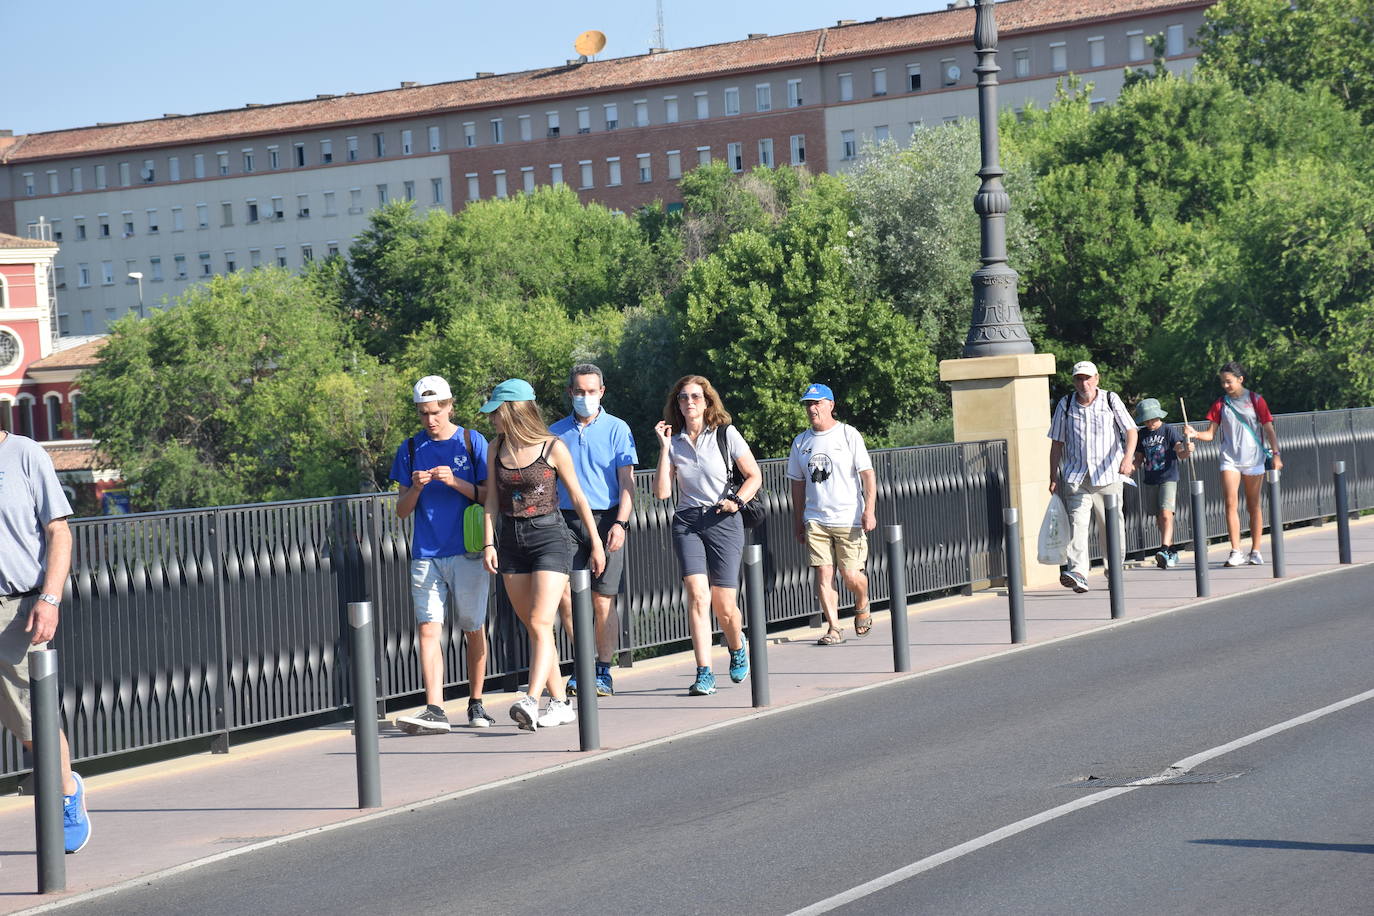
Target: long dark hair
[715,413]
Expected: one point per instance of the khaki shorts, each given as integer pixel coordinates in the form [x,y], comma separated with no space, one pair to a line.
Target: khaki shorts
[14,665]
[845,548]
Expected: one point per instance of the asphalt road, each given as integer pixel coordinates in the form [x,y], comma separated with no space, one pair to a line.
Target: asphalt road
[776,814]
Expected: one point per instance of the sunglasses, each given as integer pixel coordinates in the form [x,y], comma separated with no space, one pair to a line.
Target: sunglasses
[693,396]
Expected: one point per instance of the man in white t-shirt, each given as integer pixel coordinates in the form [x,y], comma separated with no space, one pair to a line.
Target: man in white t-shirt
[834,491]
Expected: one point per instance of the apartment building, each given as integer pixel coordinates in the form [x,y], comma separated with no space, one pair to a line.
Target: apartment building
[184,197]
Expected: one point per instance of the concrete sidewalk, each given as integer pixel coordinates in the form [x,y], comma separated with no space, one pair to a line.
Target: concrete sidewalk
[174,815]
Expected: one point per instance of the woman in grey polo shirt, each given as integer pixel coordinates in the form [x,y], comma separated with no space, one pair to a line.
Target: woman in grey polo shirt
[708,535]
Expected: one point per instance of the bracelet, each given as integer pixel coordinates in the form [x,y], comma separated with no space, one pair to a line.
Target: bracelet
[485,546]
[625,525]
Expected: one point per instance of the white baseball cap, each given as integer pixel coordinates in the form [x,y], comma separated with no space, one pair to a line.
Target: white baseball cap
[1082,367]
[431,388]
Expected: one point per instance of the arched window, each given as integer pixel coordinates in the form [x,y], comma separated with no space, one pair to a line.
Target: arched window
[53,408]
[76,416]
[6,417]
[23,416]
[4,292]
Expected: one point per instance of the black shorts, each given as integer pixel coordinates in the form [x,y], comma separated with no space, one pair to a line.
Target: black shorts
[608,583]
[541,543]
[709,543]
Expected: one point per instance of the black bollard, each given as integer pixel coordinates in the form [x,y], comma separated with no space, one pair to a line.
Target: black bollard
[896,600]
[1204,587]
[366,757]
[1016,599]
[1116,588]
[758,624]
[584,660]
[1342,512]
[1275,522]
[47,771]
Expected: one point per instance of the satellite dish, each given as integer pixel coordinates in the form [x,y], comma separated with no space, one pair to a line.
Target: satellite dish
[590,42]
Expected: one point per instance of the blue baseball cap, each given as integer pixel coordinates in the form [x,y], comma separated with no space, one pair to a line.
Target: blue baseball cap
[818,392]
[512,389]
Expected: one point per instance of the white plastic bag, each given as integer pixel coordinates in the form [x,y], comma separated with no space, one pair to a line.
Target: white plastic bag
[1054,534]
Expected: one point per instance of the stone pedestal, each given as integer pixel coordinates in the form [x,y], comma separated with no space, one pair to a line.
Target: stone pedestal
[1008,397]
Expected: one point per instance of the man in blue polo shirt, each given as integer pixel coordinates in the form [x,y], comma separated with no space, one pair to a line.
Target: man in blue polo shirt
[440,471]
[603,451]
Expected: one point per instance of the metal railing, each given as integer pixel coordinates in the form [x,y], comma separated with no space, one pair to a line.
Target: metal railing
[196,624]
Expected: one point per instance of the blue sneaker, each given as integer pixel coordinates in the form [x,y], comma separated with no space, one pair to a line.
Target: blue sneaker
[605,686]
[704,685]
[76,825]
[739,662]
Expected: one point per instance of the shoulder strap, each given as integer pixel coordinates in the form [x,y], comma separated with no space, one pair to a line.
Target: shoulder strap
[1252,430]
[723,444]
[410,451]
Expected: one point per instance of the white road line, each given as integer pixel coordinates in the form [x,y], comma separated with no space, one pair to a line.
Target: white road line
[987,839]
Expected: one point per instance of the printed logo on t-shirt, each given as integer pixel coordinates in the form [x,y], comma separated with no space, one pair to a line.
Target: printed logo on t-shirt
[819,468]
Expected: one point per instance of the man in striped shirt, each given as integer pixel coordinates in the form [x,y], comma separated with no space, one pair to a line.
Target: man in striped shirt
[1093,448]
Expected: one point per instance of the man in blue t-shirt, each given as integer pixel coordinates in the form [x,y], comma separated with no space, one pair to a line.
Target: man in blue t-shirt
[1158,450]
[441,470]
[603,451]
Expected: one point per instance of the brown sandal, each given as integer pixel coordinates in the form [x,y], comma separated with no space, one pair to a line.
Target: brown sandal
[832,637]
[861,629]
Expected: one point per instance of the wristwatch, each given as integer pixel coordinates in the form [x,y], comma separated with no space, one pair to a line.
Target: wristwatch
[54,600]
[625,525]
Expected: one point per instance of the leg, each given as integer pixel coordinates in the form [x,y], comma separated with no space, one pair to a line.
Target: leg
[723,603]
[828,595]
[432,662]
[1254,503]
[1100,495]
[546,587]
[1078,503]
[477,661]
[607,627]
[1166,528]
[856,580]
[565,609]
[699,616]
[68,784]
[1230,485]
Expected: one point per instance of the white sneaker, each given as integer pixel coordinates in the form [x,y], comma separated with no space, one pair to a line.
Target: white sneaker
[525,712]
[1235,559]
[1256,559]
[559,712]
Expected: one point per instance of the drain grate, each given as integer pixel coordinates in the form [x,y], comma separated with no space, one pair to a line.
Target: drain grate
[1148,780]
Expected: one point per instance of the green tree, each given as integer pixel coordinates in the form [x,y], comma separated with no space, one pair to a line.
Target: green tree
[226,397]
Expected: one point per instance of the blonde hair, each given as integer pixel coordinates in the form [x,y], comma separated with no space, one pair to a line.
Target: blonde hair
[714,413]
[522,422]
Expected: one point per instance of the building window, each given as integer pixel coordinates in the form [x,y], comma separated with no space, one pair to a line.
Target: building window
[202,216]
[329,204]
[1097,52]
[83,275]
[556,174]
[331,249]
[52,182]
[474,190]
[100,177]
[274,157]
[407,142]
[436,188]
[585,167]
[198,165]
[76,400]
[124,175]
[794,96]
[612,116]
[382,196]
[155,266]
[732,101]
[127,218]
[703,105]
[223,160]
[130,268]
[248,160]
[551,118]
[1059,57]
[734,154]
[326,151]
[53,407]
[763,97]
[848,148]
[674,163]
[881,133]
[226,215]
[408,188]
[307,254]
[254,258]
[76,178]
[173,169]
[152,222]
[80,230]
[1173,40]
[178,220]
[302,206]
[798,149]
[766,152]
[280,254]
[107,273]
[670,109]
[379,144]
[252,211]
[703,155]
[524,122]
[179,262]
[584,120]
[846,87]
[23,411]
[646,170]
[498,132]
[351,149]
[642,113]
[527,178]
[1135,45]
[613,171]
[880,81]
[104,226]
[1021,62]
[355,201]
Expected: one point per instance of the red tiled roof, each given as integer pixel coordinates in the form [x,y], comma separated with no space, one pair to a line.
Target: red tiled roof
[14,241]
[81,356]
[75,457]
[768,52]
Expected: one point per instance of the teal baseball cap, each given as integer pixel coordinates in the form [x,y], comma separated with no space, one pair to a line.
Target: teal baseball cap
[512,389]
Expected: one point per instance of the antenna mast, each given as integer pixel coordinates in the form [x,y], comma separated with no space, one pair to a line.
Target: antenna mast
[659,40]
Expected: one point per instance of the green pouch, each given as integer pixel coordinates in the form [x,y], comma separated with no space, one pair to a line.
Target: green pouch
[474,517]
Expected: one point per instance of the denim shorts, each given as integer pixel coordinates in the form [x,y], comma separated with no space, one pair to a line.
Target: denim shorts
[434,579]
[608,583]
[709,543]
[542,543]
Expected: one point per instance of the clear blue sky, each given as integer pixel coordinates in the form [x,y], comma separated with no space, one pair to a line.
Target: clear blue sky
[75,62]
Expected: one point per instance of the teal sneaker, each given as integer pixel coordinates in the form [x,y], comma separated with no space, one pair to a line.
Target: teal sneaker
[704,685]
[571,688]
[605,686]
[76,824]
[739,662]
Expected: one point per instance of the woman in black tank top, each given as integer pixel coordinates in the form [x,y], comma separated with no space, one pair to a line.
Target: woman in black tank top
[533,551]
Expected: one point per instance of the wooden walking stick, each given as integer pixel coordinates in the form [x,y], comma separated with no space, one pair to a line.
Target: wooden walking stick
[1192,474]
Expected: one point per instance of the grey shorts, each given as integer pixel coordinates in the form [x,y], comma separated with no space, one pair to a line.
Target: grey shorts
[434,579]
[1159,497]
[709,543]
[14,665]
[608,583]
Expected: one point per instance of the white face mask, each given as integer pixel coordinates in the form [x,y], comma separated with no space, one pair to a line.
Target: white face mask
[586,405]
